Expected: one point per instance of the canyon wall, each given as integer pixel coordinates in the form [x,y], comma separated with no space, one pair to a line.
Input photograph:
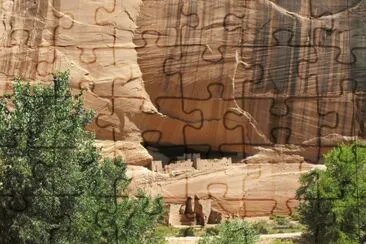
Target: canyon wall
[227,77]
[233,75]
[91,39]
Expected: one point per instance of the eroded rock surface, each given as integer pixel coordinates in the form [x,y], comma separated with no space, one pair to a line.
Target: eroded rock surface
[223,75]
[261,185]
[218,76]
[91,39]
[233,75]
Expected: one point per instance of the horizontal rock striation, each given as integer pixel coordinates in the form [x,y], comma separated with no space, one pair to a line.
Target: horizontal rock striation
[91,39]
[233,75]
[207,78]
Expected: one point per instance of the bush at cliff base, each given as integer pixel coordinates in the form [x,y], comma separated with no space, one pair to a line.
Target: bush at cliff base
[235,231]
[333,201]
[55,187]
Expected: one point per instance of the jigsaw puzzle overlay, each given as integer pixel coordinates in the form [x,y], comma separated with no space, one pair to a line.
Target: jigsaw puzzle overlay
[225,76]
[91,39]
[231,76]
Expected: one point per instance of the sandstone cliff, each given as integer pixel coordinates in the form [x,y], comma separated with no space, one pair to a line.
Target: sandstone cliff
[208,77]
[232,75]
[91,39]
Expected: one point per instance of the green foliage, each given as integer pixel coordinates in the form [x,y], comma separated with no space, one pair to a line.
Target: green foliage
[56,188]
[186,232]
[211,231]
[280,220]
[232,232]
[280,241]
[295,216]
[333,206]
[276,225]
[166,231]
[262,227]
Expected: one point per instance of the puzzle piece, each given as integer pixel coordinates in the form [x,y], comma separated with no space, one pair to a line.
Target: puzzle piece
[322,9]
[190,105]
[106,218]
[253,57]
[196,39]
[194,136]
[72,21]
[315,9]
[153,124]
[46,58]
[19,37]
[116,95]
[106,53]
[229,198]
[102,51]
[177,72]
[329,93]
[274,66]
[330,37]
[243,122]
[176,69]
[360,117]
[182,11]
[47,54]
[323,199]
[111,16]
[291,121]
[19,198]
[226,195]
[13,203]
[299,112]
[342,62]
[210,119]
[182,69]
[355,159]
[22,25]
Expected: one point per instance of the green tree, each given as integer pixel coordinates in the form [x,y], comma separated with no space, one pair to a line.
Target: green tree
[333,205]
[55,187]
[232,232]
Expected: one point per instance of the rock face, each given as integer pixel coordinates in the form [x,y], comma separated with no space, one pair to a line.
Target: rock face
[233,75]
[91,39]
[217,78]
[261,185]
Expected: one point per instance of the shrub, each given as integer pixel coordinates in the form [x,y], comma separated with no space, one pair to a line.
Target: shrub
[165,230]
[232,232]
[295,216]
[211,231]
[186,232]
[262,227]
[281,220]
[56,188]
[333,205]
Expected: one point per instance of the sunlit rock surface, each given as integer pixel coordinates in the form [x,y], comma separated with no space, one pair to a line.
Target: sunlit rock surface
[214,78]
